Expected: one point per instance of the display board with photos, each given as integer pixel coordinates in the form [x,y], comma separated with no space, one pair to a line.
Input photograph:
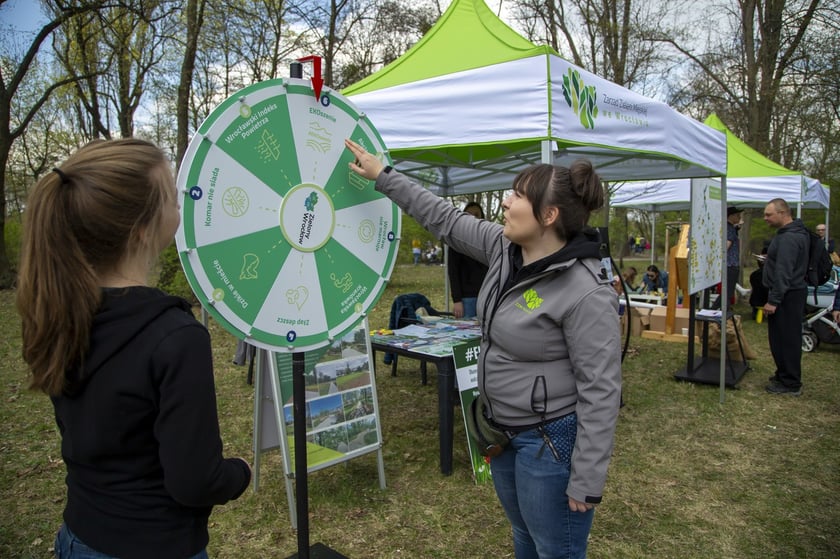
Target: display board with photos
[342,413]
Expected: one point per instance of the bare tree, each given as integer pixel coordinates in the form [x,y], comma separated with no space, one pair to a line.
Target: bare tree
[330,25]
[382,38]
[13,72]
[266,52]
[194,23]
[117,48]
[746,76]
[607,37]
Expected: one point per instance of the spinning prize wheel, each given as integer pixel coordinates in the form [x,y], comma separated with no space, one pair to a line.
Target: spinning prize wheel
[279,240]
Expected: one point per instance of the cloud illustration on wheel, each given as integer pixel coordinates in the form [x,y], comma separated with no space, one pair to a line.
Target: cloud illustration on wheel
[297,296]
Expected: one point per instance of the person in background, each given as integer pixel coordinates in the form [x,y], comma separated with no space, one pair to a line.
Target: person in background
[437,254]
[128,368]
[244,352]
[835,308]
[784,277]
[758,293]
[733,253]
[429,253]
[465,274]
[654,280]
[821,231]
[546,379]
[630,275]
[416,250]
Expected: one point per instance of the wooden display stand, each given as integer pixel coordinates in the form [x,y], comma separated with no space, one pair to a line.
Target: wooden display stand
[677,281]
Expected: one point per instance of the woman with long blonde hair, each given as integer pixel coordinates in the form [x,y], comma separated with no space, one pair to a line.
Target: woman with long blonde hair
[128,368]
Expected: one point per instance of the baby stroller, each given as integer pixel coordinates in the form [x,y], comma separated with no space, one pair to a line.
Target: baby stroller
[819,325]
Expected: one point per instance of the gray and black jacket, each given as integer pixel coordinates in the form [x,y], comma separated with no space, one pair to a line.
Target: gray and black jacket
[555,320]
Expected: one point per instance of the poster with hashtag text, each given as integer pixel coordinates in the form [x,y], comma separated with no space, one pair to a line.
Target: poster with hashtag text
[466,357]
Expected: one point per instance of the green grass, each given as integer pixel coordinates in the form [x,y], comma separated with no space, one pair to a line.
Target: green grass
[754,477]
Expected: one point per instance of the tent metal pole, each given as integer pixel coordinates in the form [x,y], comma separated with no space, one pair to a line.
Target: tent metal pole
[547,149]
[724,298]
[653,238]
[803,188]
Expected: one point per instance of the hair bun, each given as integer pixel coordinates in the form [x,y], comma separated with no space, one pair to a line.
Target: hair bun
[587,184]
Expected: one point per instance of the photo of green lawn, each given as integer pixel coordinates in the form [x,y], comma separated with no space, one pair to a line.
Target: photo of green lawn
[754,477]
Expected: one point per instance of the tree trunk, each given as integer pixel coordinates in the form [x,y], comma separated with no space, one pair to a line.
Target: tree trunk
[7,275]
[195,18]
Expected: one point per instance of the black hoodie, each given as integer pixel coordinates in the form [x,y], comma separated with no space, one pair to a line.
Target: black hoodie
[586,244]
[787,261]
[140,432]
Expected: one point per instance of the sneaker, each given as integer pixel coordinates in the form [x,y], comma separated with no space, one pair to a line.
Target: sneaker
[742,291]
[778,388]
[774,379]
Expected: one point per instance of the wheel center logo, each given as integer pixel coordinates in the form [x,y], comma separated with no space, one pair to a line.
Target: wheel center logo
[307,217]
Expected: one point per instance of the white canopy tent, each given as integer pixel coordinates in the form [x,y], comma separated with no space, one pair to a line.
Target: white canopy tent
[675,194]
[816,194]
[752,180]
[473,102]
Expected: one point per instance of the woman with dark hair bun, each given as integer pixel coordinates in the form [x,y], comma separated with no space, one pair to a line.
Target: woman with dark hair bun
[550,365]
[128,368]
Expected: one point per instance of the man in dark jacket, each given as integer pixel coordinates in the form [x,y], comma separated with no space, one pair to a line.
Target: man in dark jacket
[465,274]
[784,277]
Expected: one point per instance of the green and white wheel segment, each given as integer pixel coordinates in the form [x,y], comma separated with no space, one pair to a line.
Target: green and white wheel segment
[281,242]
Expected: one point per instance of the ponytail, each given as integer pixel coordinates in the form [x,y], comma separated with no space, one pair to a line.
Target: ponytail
[58,293]
[80,221]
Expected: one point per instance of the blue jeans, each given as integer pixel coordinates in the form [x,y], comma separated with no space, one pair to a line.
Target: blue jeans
[68,546]
[469,306]
[531,485]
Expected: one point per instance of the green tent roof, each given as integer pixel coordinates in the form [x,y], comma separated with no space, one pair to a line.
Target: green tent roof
[476,96]
[742,160]
[468,35]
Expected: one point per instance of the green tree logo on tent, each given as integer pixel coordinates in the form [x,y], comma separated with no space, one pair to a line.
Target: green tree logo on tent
[581,98]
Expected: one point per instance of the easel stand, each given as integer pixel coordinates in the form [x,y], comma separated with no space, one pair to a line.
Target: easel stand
[707,371]
[319,550]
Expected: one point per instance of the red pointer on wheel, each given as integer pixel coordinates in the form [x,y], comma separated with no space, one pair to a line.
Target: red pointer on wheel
[317,80]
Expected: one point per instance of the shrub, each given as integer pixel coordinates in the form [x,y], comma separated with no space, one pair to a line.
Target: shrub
[171,278]
[13,231]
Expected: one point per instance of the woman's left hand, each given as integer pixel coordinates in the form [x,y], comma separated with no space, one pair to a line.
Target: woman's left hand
[458,309]
[577,506]
[366,164]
